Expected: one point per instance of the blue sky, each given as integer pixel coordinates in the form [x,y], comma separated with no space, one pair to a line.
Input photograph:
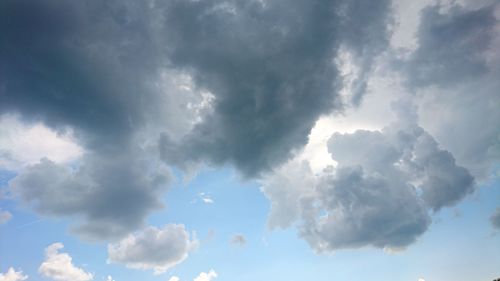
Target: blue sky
[249,140]
[459,245]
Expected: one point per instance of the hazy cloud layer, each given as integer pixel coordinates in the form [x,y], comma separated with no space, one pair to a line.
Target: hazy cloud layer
[59,266]
[153,248]
[13,275]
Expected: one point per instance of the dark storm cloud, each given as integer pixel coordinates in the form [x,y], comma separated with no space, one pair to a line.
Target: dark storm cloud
[99,67]
[89,65]
[451,46]
[270,66]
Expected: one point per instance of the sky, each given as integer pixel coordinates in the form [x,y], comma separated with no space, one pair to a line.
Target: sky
[214,140]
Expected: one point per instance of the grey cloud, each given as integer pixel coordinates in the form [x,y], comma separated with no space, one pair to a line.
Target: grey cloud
[110,197]
[271,69]
[451,46]
[405,151]
[379,195]
[495,219]
[111,71]
[98,68]
[454,73]
[153,248]
[365,210]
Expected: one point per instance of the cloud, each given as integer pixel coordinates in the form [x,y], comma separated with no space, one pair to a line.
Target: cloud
[495,219]
[96,70]
[5,216]
[206,276]
[184,80]
[453,74]
[12,275]
[110,197]
[174,278]
[22,144]
[153,248]
[360,201]
[205,198]
[267,95]
[239,240]
[59,266]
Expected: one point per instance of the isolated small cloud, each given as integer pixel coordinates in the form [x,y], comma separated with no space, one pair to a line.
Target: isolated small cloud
[206,276]
[5,216]
[59,266]
[495,219]
[13,275]
[239,240]
[110,278]
[174,278]
[154,248]
[205,198]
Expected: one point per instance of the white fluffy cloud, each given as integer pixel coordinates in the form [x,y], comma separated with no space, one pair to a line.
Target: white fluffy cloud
[206,276]
[153,248]
[203,276]
[59,266]
[13,275]
[5,216]
[23,144]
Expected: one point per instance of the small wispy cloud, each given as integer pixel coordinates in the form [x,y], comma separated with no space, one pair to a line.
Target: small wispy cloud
[238,240]
[205,198]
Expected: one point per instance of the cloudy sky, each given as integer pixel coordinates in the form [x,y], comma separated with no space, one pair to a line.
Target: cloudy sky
[249,140]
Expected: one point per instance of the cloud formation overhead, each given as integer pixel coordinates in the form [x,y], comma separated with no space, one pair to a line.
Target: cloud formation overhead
[278,131]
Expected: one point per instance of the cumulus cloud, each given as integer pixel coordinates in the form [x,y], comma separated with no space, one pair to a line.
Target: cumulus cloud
[239,240]
[238,82]
[495,219]
[13,275]
[174,278]
[110,197]
[153,248]
[267,95]
[453,72]
[208,276]
[59,266]
[378,195]
[5,216]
